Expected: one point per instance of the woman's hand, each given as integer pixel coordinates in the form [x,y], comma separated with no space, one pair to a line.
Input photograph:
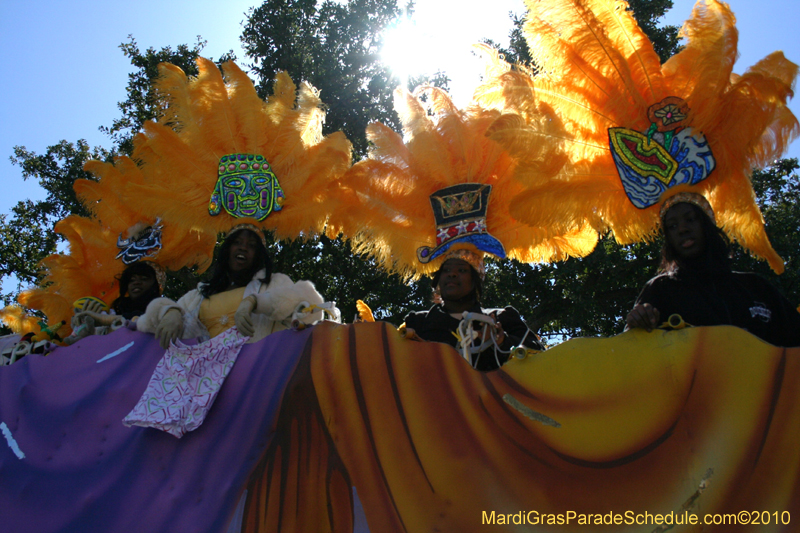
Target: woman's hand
[170,328]
[99,318]
[497,328]
[500,335]
[643,316]
[92,306]
[243,316]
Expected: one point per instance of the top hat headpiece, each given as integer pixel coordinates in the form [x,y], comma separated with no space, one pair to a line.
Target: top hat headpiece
[460,214]
[637,131]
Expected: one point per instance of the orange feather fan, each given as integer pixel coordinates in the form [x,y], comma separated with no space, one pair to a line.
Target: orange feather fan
[178,161]
[211,116]
[383,203]
[597,70]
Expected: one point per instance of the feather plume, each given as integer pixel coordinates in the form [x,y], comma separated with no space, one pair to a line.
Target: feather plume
[364,312]
[383,204]
[597,70]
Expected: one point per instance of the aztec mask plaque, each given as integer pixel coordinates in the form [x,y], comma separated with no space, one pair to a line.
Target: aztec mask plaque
[246,187]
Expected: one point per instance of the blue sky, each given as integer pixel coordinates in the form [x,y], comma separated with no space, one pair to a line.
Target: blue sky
[64,73]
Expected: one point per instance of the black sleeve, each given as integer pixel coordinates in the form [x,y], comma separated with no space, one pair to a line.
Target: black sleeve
[651,293]
[431,325]
[413,319]
[516,330]
[786,329]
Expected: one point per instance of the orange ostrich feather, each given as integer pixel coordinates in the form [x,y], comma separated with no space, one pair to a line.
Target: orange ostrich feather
[383,203]
[211,116]
[597,70]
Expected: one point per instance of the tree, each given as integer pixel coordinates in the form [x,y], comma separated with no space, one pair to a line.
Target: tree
[27,237]
[142,103]
[778,195]
[335,46]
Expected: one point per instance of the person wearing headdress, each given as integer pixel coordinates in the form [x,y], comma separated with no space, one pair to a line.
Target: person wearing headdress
[695,281]
[459,282]
[142,280]
[138,286]
[638,132]
[420,205]
[460,212]
[241,291]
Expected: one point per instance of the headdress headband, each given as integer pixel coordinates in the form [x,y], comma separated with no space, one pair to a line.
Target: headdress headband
[475,260]
[252,227]
[688,198]
[143,244]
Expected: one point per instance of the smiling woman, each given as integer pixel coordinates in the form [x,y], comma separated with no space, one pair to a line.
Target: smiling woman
[242,291]
[696,281]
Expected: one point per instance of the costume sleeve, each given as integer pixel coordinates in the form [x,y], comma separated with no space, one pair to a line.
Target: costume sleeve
[188,305]
[655,292]
[155,311]
[786,319]
[282,296]
[516,331]
[412,320]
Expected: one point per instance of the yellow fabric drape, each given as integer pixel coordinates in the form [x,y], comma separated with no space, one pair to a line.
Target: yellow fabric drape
[701,420]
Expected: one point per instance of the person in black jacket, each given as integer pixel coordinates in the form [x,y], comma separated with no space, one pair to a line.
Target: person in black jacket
[460,284]
[696,281]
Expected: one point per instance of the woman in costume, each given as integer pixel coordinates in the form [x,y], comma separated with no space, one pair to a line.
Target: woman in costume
[695,281]
[459,282]
[242,290]
[138,286]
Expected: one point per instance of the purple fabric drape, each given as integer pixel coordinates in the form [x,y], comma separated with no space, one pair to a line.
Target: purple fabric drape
[67,463]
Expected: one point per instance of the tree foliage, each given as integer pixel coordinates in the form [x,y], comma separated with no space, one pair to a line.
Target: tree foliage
[27,236]
[142,103]
[335,46]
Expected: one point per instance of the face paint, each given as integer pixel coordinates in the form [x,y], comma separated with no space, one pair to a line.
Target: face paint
[246,187]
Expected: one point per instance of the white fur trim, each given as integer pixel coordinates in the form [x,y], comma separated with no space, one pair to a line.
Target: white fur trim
[155,311]
[278,303]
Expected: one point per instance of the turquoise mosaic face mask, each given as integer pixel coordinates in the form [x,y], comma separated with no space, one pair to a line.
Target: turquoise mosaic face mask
[246,187]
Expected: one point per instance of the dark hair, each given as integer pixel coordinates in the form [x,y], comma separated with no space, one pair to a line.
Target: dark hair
[127,306]
[716,256]
[221,277]
[477,282]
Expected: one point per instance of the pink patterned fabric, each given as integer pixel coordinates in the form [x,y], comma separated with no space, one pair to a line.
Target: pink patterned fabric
[185,384]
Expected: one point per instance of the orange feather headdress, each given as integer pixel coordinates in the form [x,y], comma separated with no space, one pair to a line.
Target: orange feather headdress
[690,122]
[212,126]
[384,203]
